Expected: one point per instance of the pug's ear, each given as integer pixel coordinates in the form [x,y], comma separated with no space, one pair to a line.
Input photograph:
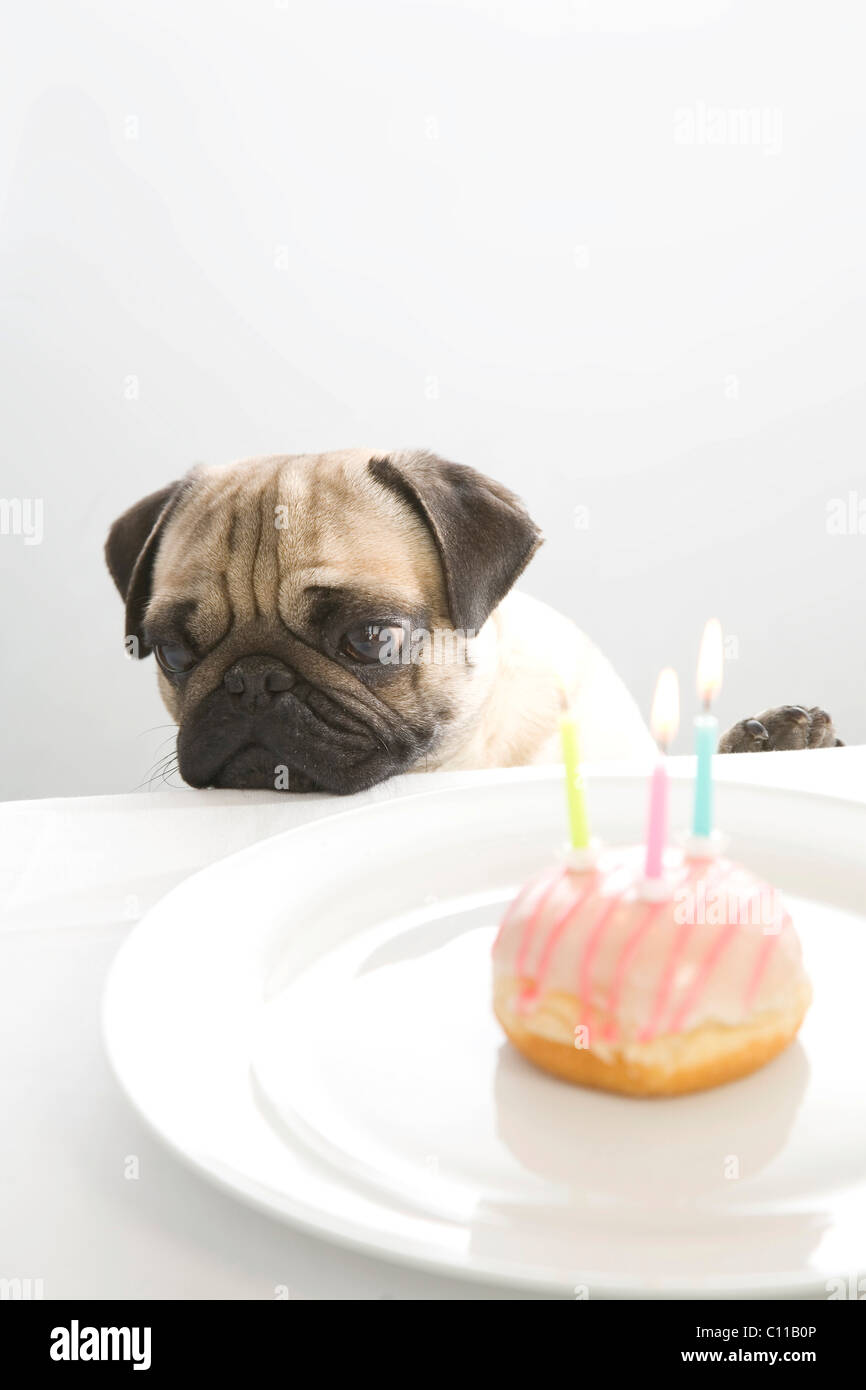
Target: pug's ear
[130,552]
[484,534]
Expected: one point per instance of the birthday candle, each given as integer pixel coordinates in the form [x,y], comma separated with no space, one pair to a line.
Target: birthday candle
[578,823]
[664,722]
[710,661]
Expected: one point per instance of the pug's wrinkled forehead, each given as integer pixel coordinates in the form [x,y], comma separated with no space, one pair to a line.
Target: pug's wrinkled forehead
[298,539]
[279,539]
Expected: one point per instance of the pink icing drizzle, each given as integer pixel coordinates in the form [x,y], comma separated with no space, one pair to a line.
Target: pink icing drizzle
[723,936]
[517,903]
[553,936]
[587,958]
[670,967]
[534,920]
[768,945]
[722,939]
[621,970]
[667,978]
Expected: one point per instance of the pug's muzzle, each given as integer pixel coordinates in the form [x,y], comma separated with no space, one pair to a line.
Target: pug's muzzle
[268,726]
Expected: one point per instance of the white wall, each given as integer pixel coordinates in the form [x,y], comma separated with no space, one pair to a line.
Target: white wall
[478,227]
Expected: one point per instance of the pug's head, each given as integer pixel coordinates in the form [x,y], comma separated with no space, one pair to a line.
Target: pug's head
[317,620]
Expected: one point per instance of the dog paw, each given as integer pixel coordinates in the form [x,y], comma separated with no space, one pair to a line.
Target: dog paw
[785,727]
[747,736]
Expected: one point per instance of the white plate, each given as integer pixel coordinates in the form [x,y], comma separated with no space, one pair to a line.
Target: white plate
[308,1024]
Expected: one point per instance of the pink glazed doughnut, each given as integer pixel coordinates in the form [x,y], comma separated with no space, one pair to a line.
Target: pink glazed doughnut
[604,983]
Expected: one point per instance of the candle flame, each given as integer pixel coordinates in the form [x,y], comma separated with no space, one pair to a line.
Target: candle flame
[665,717]
[710,662]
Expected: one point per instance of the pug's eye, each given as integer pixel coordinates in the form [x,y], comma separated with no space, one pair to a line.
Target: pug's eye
[373,642]
[174,657]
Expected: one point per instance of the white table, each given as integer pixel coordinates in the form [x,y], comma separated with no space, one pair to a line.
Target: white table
[74,876]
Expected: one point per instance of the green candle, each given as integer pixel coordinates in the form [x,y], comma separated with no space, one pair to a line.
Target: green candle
[578,822]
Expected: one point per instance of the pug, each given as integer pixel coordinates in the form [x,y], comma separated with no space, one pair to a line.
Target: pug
[325,621]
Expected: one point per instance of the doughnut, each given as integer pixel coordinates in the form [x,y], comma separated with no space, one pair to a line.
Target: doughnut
[649,988]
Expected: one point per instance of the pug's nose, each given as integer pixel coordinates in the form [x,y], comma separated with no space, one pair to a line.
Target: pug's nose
[253,681]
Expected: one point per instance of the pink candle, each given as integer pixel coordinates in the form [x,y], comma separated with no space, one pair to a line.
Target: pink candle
[664,721]
[657,829]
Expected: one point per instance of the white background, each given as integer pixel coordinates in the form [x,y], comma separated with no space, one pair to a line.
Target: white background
[527,235]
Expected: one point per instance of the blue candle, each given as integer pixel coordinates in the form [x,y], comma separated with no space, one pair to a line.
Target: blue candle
[710,663]
[706,734]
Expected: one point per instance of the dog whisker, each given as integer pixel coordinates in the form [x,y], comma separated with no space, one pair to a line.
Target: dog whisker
[161,767]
